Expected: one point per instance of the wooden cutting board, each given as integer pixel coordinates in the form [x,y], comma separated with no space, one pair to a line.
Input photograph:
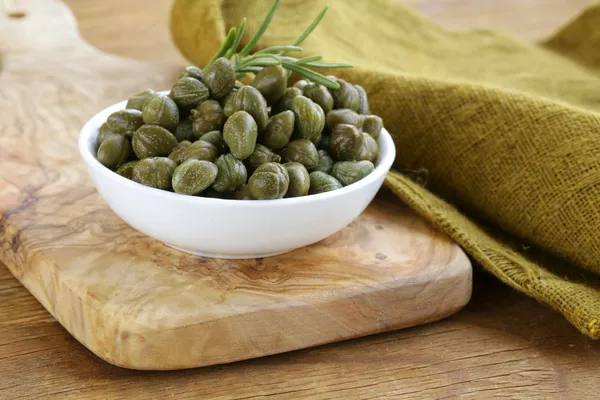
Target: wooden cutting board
[139,304]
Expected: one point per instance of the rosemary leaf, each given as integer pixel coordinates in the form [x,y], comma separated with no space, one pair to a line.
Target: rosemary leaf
[238,38]
[312,26]
[224,47]
[261,30]
[326,65]
[311,75]
[277,49]
[306,60]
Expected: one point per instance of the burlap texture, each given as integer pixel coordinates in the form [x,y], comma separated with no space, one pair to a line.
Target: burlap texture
[505,134]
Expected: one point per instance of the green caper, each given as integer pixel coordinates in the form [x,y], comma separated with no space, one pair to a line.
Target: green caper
[207,117]
[363,101]
[348,172]
[126,169]
[240,132]
[321,182]
[368,150]
[271,82]
[232,174]
[200,150]
[299,179]
[193,176]
[250,100]
[300,84]
[243,193]
[372,124]
[184,131]
[344,116]
[178,152]
[285,103]
[103,132]
[216,138]
[189,92]
[320,95]
[153,141]
[161,110]
[346,96]
[114,151]
[261,155]
[219,77]
[155,172]
[346,141]
[325,143]
[302,151]
[125,122]
[279,130]
[316,141]
[269,181]
[227,104]
[192,72]
[325,163]
[136,102]
[309,118]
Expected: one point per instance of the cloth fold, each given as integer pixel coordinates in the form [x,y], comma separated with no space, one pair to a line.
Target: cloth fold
[504,136]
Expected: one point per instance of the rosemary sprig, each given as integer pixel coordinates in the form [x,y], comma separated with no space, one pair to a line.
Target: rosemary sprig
[244,62]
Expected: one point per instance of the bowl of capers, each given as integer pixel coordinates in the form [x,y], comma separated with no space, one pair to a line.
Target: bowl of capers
[218,168]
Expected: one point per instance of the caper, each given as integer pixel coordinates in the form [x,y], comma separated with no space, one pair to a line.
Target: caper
[299,179]
[271,82]
[325,163]
[136,102]
[200,150]
[279,130]
[348,172]
[243,193]
[216,138]
[372,124]
[302,151]
[261,155]
[153,141]
[161,110]
[207,117]
[285,103]
[155,172]
[189,92]
[240,132]
[346,96]
[320,95]
[184,131]
[249,99]
[193,176]
[126,169]
[363,100]
[192,72]
[321,182]
[219,77]
[125,122]
[103,132]
[345,142]
[344,116]
[178,152]
[231,175]
[300,84]
[114,151]
[269,181]
[310,119]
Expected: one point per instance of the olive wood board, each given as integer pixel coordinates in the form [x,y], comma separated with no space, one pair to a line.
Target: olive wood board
[139,304]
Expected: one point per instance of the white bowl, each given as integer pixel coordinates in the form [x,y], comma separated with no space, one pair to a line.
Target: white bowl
[230,228]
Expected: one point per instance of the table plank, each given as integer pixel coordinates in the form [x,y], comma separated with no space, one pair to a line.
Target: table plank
[502,344]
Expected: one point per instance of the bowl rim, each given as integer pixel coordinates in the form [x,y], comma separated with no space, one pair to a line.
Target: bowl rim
[93,124]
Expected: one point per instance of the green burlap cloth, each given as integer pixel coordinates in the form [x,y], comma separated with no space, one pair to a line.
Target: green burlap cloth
[498,141]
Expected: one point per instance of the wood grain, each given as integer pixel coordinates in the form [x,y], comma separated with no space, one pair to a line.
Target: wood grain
[502,345]
[139,304]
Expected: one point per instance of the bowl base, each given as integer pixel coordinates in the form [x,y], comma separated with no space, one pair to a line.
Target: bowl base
[229,256]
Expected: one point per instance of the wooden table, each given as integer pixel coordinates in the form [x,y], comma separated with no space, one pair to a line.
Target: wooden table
[502,344]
